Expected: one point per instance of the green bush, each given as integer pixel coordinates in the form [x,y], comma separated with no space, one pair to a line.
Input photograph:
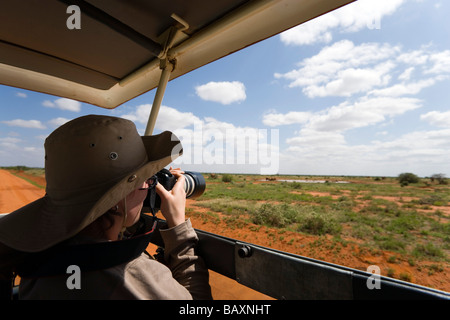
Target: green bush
[406,178]
[439,177]
[270,215]
[428,250]
[435,200]
[318,225]
[227,178]
[390,243]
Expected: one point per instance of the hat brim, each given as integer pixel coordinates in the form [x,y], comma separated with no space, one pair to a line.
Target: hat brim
[44,223]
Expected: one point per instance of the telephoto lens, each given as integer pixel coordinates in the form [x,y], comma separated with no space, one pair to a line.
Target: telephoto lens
[194,186]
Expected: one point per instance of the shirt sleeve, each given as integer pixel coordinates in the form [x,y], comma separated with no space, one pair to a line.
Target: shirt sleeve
[187,267]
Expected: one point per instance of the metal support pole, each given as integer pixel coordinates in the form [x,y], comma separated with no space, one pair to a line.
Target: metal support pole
[166,67]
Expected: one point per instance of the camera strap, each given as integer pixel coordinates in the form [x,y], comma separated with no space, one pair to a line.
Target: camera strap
[88,257]
[152,201]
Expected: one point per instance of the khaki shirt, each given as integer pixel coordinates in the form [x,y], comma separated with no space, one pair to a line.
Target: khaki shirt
[184,277]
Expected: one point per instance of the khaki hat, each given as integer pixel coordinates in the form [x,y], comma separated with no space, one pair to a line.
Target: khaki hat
[91,163]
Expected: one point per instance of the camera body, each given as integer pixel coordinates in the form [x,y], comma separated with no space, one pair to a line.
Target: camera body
[194,186]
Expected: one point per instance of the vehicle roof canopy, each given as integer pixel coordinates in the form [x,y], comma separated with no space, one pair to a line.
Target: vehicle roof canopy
[115,54]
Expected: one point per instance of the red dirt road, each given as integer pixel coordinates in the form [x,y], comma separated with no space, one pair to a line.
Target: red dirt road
[16,192]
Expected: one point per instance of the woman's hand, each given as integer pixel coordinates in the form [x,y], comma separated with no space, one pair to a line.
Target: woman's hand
[173,202]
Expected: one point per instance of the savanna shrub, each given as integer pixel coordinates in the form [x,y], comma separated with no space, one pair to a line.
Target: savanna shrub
[406,178]
[227,178]
[317,225]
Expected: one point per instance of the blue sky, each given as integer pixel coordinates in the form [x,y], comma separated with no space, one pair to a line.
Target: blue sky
[363,90]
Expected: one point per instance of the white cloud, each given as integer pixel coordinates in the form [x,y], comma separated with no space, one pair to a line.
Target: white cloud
[277,119]
[350,18]
[140,114]
[380,82]
[417,146]
[48,104]
[63,104]
[405,88]
[414,58]
[21,95]
[315,139]
[346,116]
[350,81]
[438,119]
[406,75]
[420,152]
[171,119]
[222,92]
[367,111]
[42,137]
[15,151]
[33,124]
[56,122]
[343,69]
[9,142]
[441,62]
[168,118]
[432,62]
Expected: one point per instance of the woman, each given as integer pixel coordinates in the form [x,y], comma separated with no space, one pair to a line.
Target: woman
[96,170]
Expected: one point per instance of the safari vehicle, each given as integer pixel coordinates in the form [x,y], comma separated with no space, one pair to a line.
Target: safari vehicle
[168,39]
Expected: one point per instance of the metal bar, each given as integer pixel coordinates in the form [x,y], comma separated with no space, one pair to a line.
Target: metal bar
[117,25]
[283,275]
[392,289]
[290,278]
[167,68]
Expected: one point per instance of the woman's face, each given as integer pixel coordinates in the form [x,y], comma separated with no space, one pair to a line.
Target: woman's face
[134,203]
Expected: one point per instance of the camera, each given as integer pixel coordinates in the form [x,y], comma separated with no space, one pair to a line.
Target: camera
[194,186]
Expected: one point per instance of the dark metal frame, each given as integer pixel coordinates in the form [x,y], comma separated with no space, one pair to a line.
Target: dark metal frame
[287,276]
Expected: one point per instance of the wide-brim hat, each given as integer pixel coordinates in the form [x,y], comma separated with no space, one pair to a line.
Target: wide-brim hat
[91,163]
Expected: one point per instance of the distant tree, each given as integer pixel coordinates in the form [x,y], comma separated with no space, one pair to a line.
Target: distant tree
[227,178]
[439,177]
[406,178]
